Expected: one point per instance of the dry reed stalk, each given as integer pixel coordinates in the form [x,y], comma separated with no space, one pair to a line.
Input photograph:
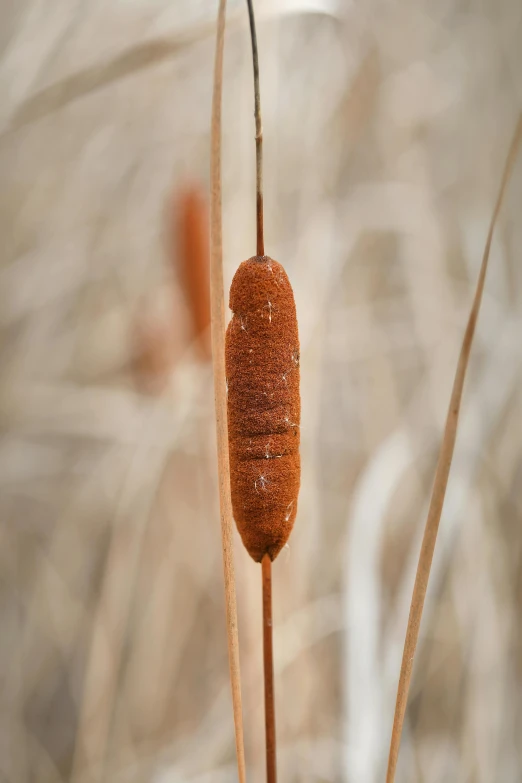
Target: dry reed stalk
[441,479]
[217,306]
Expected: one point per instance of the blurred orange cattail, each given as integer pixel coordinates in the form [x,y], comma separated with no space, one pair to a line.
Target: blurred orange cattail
[158,340]
[191,254]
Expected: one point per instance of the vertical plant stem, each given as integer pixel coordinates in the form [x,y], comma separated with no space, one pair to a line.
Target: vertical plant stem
[268,662]
[220,395]
[259,134]
[441,480]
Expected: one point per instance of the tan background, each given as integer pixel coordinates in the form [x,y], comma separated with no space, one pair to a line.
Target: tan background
[386,124]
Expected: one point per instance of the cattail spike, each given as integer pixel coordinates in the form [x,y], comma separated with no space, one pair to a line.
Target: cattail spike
[264,408]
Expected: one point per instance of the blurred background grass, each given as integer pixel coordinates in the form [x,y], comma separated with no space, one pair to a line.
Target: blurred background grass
[385,125]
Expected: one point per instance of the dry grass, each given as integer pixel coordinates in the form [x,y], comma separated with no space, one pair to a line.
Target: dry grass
[379,179]
[442,474]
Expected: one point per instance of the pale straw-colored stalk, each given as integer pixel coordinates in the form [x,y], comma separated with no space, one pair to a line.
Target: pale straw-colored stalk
[441,479]
[217,303]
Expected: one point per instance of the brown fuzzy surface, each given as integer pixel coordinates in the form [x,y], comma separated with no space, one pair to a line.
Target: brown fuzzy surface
[264,406]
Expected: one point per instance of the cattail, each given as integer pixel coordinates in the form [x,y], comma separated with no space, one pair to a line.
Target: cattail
[263,412]
[157,338]
[262,365]
[192,254]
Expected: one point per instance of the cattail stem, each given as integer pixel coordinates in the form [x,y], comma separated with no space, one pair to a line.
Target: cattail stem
[268,661]
[259,135]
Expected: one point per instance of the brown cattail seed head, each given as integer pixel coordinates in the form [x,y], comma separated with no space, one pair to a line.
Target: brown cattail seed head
[193,258]
[264,406]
